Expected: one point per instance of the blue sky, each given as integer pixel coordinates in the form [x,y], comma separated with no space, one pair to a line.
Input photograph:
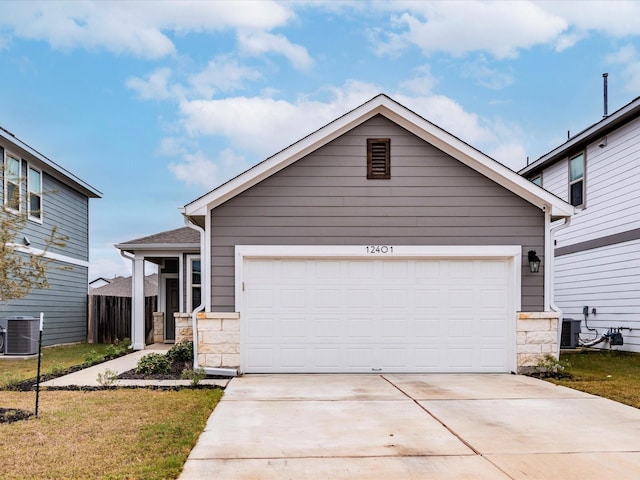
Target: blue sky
[156,103]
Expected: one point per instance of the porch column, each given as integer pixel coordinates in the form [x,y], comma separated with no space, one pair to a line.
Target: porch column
[137,304]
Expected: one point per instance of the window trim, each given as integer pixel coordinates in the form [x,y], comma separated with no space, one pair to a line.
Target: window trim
[376,175]
[29,193]
[8,155]
[189,277]
[581,179]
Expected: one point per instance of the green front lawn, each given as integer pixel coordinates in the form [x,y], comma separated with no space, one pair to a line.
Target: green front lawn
[54,359]
[117,433]
[610,374]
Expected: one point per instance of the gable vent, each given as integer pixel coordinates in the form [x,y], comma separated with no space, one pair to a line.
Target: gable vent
[378,158]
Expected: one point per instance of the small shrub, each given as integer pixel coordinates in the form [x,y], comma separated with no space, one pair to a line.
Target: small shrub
[550,367]
[118,348]
[55,369]
[181,352]
[107,378]
[10,380]
[93,357]
[195,375]
[153,363]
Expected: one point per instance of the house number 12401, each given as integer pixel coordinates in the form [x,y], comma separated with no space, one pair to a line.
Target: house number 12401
[379,249]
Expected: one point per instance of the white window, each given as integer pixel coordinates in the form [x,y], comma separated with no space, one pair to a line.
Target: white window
[12,193]
[194,282]
[576,181]
[34,182]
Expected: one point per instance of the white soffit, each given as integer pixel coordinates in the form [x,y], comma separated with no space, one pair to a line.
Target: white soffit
[381,104]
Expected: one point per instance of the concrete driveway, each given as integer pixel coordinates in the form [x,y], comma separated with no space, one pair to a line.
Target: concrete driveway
[414,427]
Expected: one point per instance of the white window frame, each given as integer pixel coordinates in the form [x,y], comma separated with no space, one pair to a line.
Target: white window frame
[29,193]
[7,156]
[581,179]
[190,284]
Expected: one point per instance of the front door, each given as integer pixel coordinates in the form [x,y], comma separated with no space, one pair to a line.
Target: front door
[172,305]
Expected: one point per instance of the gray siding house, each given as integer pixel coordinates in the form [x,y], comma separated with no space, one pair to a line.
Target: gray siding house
[597,275]
[379,243]
[63,201]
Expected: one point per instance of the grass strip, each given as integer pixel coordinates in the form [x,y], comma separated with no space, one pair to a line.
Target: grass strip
[109,434]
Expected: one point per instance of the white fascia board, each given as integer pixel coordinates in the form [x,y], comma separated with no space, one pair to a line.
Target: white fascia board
[280,160]
[153,248]
[481,163]
[405,118]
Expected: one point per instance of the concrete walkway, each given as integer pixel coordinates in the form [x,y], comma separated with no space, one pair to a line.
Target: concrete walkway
[88,377]
[414,426]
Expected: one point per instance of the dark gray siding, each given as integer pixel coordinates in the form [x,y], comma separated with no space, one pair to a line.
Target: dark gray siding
[69,211]
[326,199]
[65,302]
[64,305]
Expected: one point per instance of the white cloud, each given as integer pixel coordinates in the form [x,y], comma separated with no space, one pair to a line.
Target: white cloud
[259,42]
[499,28]
[137,28]
[450,116]
[614,17]
[221,74]
[265,125]
[155,86]
[197,169]
[510,153]
[628,58]
[422,83]
[486,76]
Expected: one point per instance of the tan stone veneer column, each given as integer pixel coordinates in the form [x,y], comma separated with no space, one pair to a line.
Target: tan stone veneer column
[158,327]
[537,336]
[219,339]
[184,327]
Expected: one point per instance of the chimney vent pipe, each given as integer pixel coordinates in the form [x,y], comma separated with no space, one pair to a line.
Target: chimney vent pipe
[606,99]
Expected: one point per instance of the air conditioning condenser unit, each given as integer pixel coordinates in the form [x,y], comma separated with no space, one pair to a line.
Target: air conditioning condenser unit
[20,335]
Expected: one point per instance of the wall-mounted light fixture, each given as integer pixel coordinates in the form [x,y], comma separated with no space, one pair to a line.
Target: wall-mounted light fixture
[26,241]
[534,262]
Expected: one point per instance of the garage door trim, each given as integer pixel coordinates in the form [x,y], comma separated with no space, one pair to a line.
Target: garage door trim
[511,253]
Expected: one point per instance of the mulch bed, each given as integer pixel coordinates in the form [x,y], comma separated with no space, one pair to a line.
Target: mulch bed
[10,415]
[175,374]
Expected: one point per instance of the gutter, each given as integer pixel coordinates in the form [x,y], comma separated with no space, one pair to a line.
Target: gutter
[225,372]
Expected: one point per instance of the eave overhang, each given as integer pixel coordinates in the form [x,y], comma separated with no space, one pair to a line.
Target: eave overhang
[383,105]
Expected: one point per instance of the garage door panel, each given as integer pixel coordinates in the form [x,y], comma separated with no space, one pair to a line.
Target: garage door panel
[364,315]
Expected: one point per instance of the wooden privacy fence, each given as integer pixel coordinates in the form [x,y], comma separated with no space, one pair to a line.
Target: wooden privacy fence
[110,318]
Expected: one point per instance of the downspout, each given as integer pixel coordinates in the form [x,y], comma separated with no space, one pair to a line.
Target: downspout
[226,372]
[550,257]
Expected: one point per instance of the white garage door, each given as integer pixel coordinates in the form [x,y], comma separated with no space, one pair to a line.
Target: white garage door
[376,315]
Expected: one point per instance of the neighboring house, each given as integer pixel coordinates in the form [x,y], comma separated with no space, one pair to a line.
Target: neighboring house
[50,196]
[597,268]
[121,287]
[379,243]
[99,282]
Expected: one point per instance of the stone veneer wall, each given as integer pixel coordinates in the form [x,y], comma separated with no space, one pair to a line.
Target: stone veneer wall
[537,336]
[219,339]
[184,327]
[158,327]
